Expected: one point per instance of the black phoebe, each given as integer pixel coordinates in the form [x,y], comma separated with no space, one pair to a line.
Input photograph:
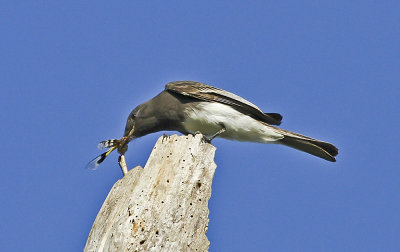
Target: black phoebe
[192,107]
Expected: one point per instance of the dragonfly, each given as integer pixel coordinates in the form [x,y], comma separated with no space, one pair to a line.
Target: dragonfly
[111,145]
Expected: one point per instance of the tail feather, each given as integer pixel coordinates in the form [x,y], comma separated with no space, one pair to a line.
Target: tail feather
[310,145]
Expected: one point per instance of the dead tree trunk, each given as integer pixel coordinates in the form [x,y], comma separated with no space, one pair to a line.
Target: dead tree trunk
[163,207]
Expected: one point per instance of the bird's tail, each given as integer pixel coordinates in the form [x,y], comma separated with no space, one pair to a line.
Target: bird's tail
[310,145]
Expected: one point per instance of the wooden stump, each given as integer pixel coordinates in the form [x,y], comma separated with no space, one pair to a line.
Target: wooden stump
[163,207]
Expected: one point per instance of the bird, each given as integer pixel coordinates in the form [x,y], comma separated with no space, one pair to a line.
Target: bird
[191,107]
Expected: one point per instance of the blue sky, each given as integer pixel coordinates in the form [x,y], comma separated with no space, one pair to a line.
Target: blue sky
[72,71]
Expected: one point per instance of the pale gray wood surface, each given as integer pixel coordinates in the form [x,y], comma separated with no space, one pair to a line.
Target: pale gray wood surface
[163,207]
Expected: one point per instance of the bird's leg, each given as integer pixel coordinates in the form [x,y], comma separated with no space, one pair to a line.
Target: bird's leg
[219,132]
[122,164]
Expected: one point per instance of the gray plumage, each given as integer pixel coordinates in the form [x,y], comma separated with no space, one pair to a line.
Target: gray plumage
[191,107]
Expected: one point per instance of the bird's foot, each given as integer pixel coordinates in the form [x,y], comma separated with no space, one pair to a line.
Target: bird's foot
[210,138]
[204,138]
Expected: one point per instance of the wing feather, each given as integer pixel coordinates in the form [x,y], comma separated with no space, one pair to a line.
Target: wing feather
[209,93]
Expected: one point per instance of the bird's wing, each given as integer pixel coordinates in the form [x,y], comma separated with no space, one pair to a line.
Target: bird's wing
[212,94]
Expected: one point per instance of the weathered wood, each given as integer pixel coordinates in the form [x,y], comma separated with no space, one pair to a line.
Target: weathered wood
[163,207]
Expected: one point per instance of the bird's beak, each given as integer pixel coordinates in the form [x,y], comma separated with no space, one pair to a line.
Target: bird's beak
[123,144]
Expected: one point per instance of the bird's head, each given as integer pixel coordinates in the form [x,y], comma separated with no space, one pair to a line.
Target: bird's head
[129,134]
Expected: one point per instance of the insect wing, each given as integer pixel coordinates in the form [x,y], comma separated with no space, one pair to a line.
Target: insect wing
[107,144]
[94,164]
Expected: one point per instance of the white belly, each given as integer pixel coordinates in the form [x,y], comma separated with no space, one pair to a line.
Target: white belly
[207,118]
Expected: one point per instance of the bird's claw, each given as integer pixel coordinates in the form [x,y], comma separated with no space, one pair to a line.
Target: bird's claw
[204,138]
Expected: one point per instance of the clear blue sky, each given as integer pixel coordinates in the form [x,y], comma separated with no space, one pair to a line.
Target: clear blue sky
[71,72]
